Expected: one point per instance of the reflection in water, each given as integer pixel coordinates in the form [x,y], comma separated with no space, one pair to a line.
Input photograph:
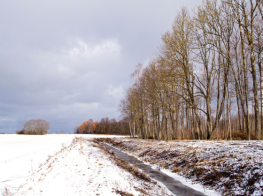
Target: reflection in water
[175,186]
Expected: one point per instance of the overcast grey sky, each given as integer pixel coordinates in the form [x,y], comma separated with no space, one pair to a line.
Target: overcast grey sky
[66,61]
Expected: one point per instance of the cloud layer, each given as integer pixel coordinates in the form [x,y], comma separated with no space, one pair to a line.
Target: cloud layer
[69,61]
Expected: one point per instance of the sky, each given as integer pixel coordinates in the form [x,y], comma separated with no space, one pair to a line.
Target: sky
[68,61]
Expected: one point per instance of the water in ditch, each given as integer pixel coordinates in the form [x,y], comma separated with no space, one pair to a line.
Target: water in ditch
[173,185]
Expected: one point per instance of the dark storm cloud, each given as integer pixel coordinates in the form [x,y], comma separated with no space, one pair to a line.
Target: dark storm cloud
[69,61]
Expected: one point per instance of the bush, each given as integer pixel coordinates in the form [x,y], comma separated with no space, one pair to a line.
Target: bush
[36,127]
[242,135]
[21,131]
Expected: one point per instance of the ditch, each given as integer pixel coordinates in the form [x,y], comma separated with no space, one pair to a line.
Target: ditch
[175,186]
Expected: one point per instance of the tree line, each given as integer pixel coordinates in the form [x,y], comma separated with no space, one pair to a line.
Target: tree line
[205,81]
[105,126]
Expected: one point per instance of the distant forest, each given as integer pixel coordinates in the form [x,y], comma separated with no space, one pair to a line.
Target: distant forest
[105,126]
[206,80]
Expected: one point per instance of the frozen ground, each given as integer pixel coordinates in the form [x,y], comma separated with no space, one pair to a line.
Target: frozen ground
[230,167]
[54,165]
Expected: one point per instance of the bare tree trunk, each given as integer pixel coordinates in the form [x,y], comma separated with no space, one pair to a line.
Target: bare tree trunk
[245,112]
[182,122]
[249,32]
[218,97]
[228,114]
[166,127]
[187,119]
[134,128]
[177,121]
[130,129]
[191,122]
[158,127]
[261,93]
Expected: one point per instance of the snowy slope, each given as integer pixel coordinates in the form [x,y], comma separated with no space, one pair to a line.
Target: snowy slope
[83,169]
[20,155]
[64,165]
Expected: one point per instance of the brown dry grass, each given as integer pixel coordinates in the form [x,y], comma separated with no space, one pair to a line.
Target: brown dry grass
[123,193]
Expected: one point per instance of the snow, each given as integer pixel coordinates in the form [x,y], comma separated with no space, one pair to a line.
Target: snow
[54,165]
[189,183]
[22,154]
[63,165]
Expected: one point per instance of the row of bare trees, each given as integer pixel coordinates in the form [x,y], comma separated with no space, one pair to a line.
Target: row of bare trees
[206,80]
[105,126]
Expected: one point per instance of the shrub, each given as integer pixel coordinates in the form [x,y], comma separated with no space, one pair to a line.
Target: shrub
[36,127]
[242,135]
[21,131]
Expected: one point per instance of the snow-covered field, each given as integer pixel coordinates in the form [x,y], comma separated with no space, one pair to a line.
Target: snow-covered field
[61,165]
[230,167]
[20,155]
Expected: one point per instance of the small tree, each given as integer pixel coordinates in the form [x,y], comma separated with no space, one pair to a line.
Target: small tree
[37,127]
[21,131]
[77,130]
